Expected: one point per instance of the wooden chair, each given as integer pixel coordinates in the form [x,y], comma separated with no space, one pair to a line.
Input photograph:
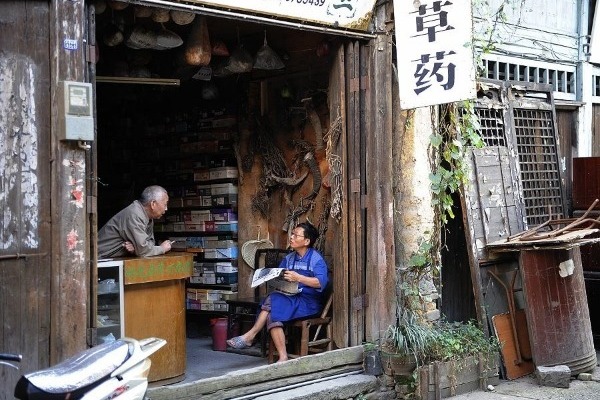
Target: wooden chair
[307,336]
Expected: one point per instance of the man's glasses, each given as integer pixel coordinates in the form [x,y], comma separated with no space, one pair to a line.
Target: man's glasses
[295,235]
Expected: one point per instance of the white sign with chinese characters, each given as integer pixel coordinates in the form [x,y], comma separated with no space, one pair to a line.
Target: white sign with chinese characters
[351,14]
[434,52]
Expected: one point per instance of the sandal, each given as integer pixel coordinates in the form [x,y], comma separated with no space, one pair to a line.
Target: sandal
[238,343]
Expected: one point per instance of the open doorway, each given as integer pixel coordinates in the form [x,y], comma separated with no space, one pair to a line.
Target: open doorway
[209,134]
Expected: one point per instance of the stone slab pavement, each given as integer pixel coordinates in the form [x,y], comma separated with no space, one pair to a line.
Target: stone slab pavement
[528,388]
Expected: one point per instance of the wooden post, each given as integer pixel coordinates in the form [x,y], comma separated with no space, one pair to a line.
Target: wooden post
[379,202]
[70,250]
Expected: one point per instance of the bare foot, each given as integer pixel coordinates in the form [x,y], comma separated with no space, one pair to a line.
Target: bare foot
[282,359]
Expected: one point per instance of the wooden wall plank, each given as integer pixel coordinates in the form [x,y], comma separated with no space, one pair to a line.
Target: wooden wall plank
[379,222]
[24,189]
[337,106]
[595,130]
[354,194]
[92,189]
[566,127]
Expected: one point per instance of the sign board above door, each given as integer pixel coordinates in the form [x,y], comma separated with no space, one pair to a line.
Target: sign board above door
[350,14]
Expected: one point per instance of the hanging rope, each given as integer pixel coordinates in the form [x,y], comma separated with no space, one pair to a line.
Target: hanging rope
[322,225]
[273,164]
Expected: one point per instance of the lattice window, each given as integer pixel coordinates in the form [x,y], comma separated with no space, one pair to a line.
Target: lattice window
[539,165]
[525,128]
[492,126]
[562,78]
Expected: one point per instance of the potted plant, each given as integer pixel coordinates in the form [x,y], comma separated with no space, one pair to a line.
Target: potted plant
[405,345]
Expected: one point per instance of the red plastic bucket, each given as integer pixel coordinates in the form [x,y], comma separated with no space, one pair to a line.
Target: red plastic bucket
[219,333]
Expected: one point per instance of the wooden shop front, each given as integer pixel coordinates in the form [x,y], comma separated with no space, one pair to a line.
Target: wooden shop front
[268,126]
[157,124]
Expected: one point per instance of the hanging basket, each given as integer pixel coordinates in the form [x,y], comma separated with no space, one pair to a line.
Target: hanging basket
[251,246]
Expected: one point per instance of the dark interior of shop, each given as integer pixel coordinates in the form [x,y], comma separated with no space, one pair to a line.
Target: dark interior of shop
[150,130]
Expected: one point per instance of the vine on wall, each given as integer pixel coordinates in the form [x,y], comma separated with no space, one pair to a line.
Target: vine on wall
[455,129]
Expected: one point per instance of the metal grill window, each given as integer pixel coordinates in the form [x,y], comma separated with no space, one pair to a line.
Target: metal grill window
[538,161]
[562,80]
[492,126]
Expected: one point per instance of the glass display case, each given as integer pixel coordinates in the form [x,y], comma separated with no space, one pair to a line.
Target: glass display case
[109,315]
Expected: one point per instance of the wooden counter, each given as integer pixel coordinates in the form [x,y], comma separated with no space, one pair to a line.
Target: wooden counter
[155,306]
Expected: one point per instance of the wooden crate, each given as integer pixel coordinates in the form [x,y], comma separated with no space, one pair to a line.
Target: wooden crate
[439,380]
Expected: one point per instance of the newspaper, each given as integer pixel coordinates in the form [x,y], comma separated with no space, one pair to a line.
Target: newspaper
[274,279]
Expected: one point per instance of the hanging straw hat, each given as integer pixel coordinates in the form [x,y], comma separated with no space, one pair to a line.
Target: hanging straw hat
[251,246]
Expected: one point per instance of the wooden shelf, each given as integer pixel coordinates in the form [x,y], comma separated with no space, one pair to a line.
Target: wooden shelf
[196,233]
[137,81]
[233,287]
[231,206]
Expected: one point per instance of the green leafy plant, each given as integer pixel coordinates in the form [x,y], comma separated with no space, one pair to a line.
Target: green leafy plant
[409,337]
[455,341]
[449,144]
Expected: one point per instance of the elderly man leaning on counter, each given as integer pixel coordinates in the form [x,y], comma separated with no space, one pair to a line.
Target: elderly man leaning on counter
[131,230]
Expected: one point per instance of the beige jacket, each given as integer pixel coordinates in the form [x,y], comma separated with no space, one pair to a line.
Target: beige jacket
[130,224]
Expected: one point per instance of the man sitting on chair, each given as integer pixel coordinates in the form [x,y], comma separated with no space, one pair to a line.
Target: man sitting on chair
[307,267]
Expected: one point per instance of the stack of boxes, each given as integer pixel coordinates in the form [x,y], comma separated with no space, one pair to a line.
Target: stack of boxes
[208,299]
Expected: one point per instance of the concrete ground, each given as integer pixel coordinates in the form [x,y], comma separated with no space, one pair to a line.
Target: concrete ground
[528,388]
[203,362]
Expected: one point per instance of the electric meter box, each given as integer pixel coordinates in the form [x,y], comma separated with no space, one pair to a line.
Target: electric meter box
[75,111]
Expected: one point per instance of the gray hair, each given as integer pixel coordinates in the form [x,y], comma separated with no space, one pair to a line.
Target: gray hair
[153,192]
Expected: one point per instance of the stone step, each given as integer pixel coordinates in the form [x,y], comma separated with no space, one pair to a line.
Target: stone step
[341,387]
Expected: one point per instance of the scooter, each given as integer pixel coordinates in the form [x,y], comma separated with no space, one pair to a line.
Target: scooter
[116,370]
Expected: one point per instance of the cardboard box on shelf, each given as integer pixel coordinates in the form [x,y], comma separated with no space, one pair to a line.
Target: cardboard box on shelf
[205,279]
[220,306]
[226,226]
[230,252]
[216,244]
[195,227]
[225,268]
[223,173]
[204,190]
[223,188]
[224,200]
[223,215]
[191,304]
[197,216]
[195,201]
[190,191]
[201,175]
